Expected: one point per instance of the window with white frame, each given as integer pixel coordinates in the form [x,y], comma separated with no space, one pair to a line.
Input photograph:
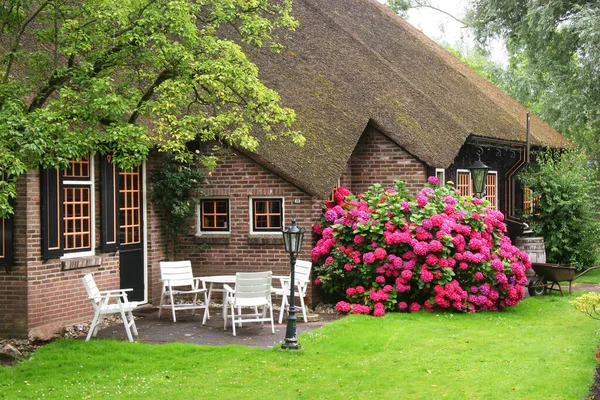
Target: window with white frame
[440,174]
[491,189]
[214,215]
[266,214]
[78,206]
[464,184]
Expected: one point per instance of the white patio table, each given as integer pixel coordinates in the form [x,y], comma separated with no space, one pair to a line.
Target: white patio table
[221,280]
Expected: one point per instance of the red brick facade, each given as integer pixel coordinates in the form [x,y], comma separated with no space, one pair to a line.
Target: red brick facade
[37,293]
[376,159]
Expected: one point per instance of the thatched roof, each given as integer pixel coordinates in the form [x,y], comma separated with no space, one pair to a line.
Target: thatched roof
[352,62]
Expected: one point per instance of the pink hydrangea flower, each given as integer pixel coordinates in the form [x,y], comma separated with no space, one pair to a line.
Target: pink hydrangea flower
[422,200]
[343,306]
[380,279]
[358,239]
[479,276]
[369,257]
[379,310]
[402,306]
[360,289]
[433,180]
[380,253]
[414,307]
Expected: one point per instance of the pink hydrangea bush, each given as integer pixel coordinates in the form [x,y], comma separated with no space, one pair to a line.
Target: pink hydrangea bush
[387,251]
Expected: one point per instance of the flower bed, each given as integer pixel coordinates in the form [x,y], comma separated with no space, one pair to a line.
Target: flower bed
[384,250]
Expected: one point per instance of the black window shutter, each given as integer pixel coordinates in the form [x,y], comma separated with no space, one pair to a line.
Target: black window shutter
[108,204]
[52,226]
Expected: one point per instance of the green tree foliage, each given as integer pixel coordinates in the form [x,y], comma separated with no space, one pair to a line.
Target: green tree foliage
[553,47]
[124,76]
[566,211]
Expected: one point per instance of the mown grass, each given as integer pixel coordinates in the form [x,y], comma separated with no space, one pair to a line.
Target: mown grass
[589,277]
[542,349]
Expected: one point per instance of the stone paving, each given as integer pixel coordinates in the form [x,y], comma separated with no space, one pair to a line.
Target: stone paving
[189,329]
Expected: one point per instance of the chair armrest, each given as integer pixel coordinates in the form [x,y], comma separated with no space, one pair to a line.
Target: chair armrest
[198,280]
[115,291]
[228,289]
[111,296]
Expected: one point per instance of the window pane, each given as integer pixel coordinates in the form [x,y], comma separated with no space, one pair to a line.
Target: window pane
[260,206]
[222,221]
[221,206]
[261,221]
[208,207]
[275,221]
[275,207]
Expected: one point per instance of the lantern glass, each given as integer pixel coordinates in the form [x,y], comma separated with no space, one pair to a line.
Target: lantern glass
[479,173]
[292,238]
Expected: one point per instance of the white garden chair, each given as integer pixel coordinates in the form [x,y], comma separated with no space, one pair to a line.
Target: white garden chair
[302,270]
[109,302]
[252,290]
[178,280]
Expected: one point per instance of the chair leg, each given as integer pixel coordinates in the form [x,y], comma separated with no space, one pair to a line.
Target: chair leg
[303,307]
[272,323]
[132,323]
[92,326]
[282,308]
[233,319]
[127,330]
[162,301]
[205,309]
[195,304]
[172,305]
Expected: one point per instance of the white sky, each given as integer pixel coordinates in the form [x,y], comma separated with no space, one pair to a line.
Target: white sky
[443,28]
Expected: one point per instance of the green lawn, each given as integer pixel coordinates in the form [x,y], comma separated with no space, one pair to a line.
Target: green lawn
[542,349]
[589,277]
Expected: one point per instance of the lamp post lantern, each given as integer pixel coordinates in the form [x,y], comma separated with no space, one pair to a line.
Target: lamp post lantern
[479,172]
[292,240]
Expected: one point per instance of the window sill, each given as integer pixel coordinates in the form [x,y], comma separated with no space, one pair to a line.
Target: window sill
[81,262]
[212,239]
[275,239]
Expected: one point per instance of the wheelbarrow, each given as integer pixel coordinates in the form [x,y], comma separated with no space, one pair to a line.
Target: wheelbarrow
[547,276]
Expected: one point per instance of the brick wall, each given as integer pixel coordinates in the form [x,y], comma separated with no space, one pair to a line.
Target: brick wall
[56,296]
[13,283]
[376,159]
[239,179]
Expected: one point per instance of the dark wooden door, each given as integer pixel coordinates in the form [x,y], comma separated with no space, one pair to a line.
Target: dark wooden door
[131,233]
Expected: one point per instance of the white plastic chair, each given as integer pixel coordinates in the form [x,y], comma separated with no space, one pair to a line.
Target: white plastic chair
[109,302]
[252,290]
[178,280]
[302,277]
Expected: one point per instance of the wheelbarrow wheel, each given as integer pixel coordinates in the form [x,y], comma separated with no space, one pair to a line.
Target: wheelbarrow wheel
[537,286]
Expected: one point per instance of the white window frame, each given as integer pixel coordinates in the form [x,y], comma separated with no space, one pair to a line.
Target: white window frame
[496,197]
[442,181]
[199,230]
[251,213]
[92,184]
[464,171]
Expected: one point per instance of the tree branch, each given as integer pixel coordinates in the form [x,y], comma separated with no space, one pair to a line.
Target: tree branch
[15,46]
[163,76]
[427,5]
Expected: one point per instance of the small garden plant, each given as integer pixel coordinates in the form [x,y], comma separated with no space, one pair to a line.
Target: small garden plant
[384,250]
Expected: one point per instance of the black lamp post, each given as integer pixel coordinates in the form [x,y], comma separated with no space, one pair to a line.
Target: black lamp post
[479,172]
[292,239]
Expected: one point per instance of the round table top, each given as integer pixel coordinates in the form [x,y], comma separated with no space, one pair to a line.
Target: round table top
[219,279]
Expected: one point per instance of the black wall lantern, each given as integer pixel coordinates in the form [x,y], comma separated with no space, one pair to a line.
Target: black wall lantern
[479,172]
[292,240]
